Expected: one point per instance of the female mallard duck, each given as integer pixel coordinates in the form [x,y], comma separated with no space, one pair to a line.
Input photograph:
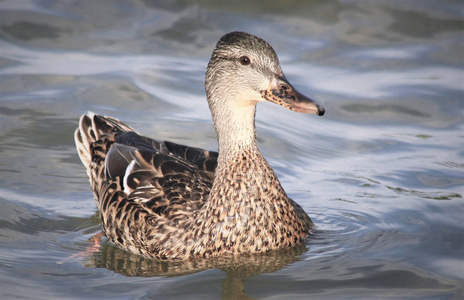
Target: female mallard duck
[170,201]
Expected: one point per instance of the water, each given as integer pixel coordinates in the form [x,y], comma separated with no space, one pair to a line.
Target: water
[381,174]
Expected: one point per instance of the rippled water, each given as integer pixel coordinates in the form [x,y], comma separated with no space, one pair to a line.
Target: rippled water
[381,174]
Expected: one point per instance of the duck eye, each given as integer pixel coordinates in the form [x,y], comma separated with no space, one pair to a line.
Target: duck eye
[245,60]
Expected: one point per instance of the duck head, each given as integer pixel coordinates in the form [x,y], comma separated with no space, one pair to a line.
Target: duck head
[245,70]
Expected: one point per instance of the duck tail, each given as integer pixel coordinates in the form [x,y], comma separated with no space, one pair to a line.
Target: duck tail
[91,129]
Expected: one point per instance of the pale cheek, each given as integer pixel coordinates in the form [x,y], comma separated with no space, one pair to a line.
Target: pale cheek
[252,85]
[251,96]
[264,86]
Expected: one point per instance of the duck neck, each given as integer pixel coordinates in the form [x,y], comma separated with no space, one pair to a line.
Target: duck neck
[235,128]
[242,170]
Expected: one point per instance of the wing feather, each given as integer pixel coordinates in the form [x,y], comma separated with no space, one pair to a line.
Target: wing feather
[160,176]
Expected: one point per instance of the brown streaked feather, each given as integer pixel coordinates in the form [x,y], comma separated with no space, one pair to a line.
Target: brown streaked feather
[170,201]
[150,197]
[148,172]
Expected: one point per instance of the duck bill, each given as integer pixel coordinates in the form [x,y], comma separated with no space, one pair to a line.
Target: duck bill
[281,92]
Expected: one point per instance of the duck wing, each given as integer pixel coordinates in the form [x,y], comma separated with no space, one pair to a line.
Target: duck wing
[159,177]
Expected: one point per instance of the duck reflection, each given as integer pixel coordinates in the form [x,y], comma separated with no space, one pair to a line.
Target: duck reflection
[236,268]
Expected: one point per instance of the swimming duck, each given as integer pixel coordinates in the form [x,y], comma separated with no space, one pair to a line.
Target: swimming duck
[169,201]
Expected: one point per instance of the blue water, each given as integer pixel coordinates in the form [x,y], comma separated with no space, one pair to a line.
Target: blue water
[381,174]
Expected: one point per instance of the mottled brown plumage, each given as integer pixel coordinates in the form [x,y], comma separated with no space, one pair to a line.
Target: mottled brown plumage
[170,201]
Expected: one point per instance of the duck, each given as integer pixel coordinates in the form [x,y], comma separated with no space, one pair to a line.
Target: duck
[169,201]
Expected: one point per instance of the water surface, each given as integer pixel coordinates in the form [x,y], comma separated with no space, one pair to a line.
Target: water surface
[381,174]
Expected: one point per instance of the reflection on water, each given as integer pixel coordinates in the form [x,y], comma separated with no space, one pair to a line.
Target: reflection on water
[244,266]
[381,174]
